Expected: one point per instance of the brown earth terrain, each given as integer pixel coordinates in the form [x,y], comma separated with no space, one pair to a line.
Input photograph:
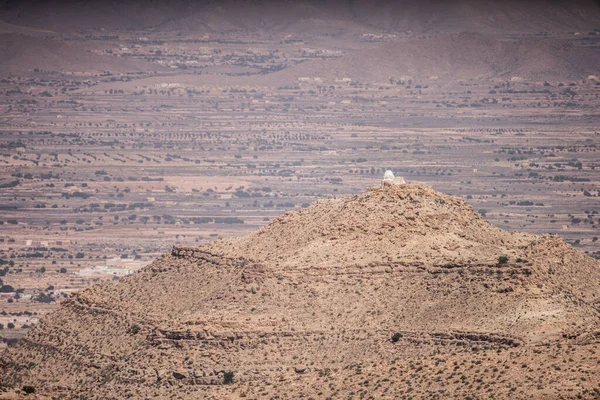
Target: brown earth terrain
[399,292]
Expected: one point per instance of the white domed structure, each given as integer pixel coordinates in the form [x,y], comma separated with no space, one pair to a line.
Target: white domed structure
[389,179]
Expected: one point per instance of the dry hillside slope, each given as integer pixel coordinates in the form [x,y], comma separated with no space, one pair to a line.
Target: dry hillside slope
[21,53]
[400,292]
[458,56]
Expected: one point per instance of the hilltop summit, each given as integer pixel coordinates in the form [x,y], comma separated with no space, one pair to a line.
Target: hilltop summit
[381,225]
[399,291]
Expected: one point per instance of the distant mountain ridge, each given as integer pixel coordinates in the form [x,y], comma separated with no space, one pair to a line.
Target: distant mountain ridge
[428,17]
[456,39]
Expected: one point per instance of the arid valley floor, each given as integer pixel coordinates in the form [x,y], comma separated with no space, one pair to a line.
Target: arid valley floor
[121,138]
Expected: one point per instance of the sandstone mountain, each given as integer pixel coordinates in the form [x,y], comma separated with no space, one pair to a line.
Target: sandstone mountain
[400,292]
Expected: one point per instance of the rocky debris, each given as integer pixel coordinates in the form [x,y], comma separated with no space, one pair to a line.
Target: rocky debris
[179,375]
[399,284]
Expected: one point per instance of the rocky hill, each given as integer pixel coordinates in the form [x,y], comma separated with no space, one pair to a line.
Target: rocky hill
[400,292]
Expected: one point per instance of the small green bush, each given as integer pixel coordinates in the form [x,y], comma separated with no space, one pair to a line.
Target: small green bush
[502,259]
[28,389]
[228,377]
[135,329]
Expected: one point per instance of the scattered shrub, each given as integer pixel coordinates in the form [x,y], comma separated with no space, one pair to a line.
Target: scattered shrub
[228,377]
[135,329]
[29,389]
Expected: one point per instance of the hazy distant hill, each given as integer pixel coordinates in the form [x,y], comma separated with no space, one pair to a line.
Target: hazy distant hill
[480,16]
[23,30]
[430,16]
[446,52]
[19,53]
[459,56]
